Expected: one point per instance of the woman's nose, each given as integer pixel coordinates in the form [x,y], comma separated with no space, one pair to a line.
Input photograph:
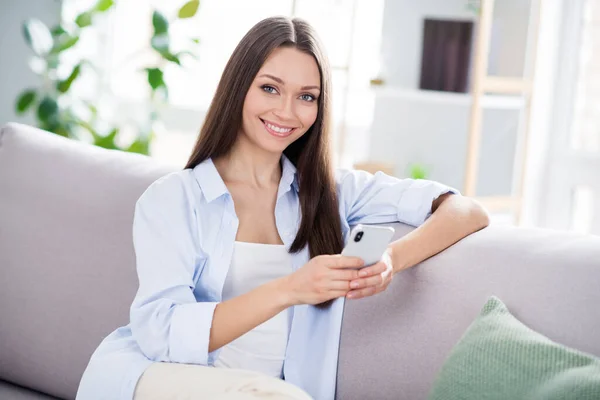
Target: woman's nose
[285,110]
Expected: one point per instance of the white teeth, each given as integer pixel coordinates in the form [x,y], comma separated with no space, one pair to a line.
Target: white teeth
[277,129]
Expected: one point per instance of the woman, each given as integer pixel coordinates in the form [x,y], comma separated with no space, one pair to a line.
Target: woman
[235,251]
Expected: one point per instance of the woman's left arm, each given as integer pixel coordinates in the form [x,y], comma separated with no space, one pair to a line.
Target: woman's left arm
[453,218]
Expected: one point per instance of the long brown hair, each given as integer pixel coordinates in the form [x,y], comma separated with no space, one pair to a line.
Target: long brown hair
[321,226]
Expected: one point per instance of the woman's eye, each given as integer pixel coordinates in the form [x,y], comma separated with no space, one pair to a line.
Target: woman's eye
[268,89]
[308,97]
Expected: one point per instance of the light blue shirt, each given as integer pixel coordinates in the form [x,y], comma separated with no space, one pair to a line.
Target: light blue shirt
[184,231]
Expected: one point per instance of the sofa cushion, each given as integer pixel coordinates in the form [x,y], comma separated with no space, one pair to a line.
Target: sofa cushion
[66,257]
[500,358]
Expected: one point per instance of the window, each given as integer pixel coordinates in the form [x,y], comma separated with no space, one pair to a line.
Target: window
[586,123]
[349,29]
[218,24]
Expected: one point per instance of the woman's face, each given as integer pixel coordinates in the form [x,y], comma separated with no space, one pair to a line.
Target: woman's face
[282,102]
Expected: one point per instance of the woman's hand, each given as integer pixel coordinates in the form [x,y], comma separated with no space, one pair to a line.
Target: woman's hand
[321,279]
[373,279]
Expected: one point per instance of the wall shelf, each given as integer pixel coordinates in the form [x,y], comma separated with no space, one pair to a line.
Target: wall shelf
[490,101]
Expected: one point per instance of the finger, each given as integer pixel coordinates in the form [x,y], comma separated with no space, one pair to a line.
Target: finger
[338,285]
[344,274]
[339,261]
[376,280]
[374,269]
[334,294]
[359,294]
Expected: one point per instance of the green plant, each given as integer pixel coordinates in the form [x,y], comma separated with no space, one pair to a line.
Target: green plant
[417,171]
[58,109]
[474,5]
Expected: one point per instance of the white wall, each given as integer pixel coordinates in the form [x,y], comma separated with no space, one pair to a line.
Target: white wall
[509,31]
[434,133]
[15,74]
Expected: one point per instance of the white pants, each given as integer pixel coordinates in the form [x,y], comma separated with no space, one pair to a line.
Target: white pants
[172,381]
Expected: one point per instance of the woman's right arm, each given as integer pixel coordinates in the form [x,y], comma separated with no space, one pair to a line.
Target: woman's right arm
[167,322]
[322,278]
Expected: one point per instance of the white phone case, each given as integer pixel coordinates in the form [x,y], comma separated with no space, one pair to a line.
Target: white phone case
[371,244]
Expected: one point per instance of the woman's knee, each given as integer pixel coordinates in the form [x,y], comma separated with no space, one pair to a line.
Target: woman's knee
[184,381]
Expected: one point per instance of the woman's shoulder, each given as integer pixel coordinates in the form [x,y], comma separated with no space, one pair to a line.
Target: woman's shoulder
[345,177]
[351,180]
[171,189]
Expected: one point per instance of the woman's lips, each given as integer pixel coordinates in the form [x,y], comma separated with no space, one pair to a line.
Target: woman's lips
[277,130]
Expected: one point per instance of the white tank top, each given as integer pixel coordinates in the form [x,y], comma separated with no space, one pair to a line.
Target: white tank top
[263,348]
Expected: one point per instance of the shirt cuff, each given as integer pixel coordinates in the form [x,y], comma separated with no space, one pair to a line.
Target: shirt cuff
[415,204]
[190,333]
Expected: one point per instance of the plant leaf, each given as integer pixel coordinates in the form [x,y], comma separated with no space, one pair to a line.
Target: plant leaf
[63,43]
[55,128]
[141,145]
[188,10]
[64,129]
[93,109]
[64,86]
[418,171]
[52,61]
[108,141]
[38,36]
[155,78]
[47,111]
[196,40]
[87,126]
[84,19]
[160,23]
[171,57]
[25,100]
[58,30]
[103,5]
[160,42]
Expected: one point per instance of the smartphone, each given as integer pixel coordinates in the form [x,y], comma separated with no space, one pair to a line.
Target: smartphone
[368,243]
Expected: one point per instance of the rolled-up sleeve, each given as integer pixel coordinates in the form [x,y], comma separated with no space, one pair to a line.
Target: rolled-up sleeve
[379,198]
[167,321]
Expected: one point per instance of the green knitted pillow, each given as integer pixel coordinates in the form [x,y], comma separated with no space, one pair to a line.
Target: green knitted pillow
[500,358]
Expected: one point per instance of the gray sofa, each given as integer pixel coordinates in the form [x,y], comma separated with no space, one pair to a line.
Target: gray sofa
[67,278]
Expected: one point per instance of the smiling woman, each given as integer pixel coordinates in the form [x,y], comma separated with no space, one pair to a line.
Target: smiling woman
[242,283]
[274,98]
[279,99]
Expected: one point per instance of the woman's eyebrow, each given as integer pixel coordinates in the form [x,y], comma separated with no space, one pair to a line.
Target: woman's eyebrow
[281,82]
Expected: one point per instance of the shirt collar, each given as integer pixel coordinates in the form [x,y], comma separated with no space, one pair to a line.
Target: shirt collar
[213,187]
[289,174]
[210,180]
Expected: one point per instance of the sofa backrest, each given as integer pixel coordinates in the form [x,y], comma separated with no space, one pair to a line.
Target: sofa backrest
[67,277]
[393,344]
[67,268]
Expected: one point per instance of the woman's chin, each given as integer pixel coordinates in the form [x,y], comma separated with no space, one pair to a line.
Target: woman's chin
[275,144]
[274,147]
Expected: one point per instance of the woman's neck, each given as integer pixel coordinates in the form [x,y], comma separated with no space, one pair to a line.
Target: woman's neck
[245,163]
